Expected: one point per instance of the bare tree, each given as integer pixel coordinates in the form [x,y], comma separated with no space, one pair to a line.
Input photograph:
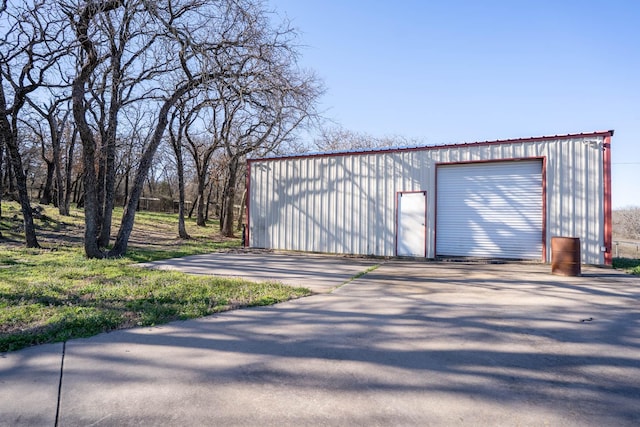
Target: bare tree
[175,138]
[627,222]
[30,50]
[217,179]
[336,138]
[41,138]
[57,121]
[64,201]
[130,147]
[81,17]
[116,39]
[178,43]
[201,146]
[264,109]
[261,120]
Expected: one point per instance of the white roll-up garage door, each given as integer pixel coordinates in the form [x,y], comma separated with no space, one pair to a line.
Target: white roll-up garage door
[490,210]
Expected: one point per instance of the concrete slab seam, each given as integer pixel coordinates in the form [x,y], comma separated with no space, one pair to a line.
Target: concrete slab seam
[64,347]
[356,276]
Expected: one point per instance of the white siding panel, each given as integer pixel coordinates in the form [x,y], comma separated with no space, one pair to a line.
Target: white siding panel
[490,210]
[575,196]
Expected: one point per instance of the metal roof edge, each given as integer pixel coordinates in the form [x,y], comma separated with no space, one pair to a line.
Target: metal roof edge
[604,133]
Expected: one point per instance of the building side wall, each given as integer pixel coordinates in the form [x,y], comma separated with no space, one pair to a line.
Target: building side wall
[345,203]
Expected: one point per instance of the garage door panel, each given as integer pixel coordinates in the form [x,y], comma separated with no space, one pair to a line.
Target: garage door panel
[490,210]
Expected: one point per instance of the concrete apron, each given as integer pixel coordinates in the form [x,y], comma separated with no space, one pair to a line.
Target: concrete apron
[407,344]
[320,273]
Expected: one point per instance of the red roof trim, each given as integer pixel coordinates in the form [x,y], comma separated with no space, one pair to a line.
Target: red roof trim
[605,133]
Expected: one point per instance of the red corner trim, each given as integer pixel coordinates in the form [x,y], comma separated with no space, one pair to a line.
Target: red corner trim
[606,158]
[544,209]
[246,205]
[398,194]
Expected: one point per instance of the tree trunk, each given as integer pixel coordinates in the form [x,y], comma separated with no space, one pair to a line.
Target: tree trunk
[229,198]
[65,205]
[46,197]
[91,202]
[128,217]
[182,229]
[243,204]
[9,134]
[176,144]
[21,183]
[108,197]
[209,194]
[109,175]
[77,189]
[193,207]
[201,202]
[177,149]
[11,182]
[222,209]
[126,188]
[57,162]
[100,178]
[115,104]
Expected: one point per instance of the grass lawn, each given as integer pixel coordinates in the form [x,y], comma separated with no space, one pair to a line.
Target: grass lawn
[55,293]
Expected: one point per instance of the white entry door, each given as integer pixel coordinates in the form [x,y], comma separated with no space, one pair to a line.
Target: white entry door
[412,220]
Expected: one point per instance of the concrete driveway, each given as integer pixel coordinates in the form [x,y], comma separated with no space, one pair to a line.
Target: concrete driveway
[320,273]
[408,344]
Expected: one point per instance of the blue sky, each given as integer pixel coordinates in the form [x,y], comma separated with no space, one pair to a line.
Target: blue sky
[465,71]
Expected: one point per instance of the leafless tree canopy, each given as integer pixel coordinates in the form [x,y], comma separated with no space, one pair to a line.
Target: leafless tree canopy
[336,138]
[113,75]
[31,50]
[626,223]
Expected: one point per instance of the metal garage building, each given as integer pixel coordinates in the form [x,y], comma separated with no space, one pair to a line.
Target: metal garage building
[494,199]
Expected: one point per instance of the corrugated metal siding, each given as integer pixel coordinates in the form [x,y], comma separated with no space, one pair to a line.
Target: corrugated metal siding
[574,187]
[346,203]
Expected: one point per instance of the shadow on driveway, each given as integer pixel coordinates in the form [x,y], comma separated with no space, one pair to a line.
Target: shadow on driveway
[407,344]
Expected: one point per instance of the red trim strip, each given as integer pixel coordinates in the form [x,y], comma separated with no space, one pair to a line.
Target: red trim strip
[435,213]
[544,209]
[398,193]
[510,159]
[246,206]
[606,158]
[426,229]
